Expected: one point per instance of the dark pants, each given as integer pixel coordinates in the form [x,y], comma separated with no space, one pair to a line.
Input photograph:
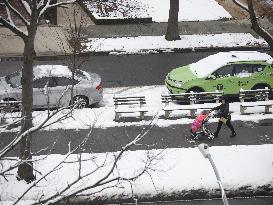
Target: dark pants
[228,123]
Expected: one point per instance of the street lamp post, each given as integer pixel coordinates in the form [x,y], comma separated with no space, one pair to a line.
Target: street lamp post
[204,149]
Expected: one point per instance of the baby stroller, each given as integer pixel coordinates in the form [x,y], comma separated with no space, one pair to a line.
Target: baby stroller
[199,127]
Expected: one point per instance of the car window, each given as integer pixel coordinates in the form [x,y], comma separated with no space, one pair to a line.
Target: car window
[41,82]
[258,68]
[225,71]
[63,81]
[240,69]
[14,79]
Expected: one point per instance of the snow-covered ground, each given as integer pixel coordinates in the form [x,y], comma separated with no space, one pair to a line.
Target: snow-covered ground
[158,10]
[179,170]
[148,44]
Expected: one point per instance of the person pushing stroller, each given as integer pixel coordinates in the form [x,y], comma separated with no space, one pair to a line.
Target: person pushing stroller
[224,115]
[200,128]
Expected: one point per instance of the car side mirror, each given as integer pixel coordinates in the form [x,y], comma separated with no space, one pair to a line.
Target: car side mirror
[211,77]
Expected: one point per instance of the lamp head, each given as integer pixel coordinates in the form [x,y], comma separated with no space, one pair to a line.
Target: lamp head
[204,149]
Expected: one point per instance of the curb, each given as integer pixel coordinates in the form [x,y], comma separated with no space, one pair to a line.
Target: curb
[183,195]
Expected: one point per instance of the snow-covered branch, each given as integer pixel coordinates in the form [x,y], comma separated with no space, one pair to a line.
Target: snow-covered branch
[26,6]
[106,173]
[56,168]
[254,22]
[43,7]
[13,28]
[241,5]
[106,179]
[16,12]
[34,129]
[9,16]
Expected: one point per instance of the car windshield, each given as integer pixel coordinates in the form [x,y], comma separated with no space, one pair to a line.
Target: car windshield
[14,79]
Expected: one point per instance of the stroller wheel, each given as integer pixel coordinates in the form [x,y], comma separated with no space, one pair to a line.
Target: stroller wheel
[211,137]
[194,136]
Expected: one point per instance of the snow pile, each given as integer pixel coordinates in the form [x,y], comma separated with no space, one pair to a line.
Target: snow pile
[146,44]
[61,71]
[51,70]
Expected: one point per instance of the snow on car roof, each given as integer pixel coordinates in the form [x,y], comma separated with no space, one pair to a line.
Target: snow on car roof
[51,70]
[211,63]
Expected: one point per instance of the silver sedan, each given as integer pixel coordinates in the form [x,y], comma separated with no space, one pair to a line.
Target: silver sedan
[53,86]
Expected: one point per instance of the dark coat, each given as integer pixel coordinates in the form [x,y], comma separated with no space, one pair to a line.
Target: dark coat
[223,110]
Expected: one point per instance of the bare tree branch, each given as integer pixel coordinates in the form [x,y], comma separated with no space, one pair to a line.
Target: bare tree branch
[27,7]
[43,124]
[241,5]
[105,179]
[34,9]
[44,7]
[16,12]
[57,167]
[13,28]
[254,22]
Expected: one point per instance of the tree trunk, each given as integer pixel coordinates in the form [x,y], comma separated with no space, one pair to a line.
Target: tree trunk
[172,33]
[25,170]
[255,26]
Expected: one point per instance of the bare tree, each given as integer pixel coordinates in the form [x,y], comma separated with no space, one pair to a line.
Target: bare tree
[172,33]
[29,13]
[43,124]
[105,172]
[254,22]
[75,39]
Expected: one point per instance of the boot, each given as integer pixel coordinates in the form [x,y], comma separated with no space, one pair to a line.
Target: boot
[215,134]
[233,134]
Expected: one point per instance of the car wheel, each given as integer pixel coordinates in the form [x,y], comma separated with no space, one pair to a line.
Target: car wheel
[195,90]
[259,87]
[80,102]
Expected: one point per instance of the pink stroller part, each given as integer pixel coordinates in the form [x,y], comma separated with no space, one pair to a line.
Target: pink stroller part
[199,127]
[197,123]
